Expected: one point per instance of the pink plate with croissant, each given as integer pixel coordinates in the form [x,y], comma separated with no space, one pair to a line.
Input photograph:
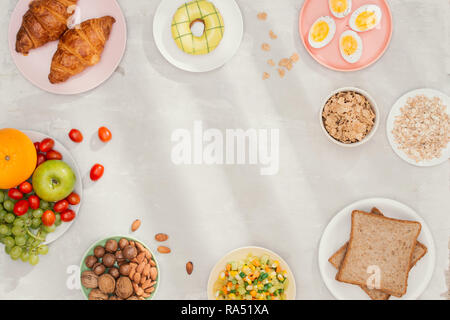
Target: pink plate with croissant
[67,46]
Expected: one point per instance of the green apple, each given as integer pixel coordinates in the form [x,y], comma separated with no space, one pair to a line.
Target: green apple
[53,180]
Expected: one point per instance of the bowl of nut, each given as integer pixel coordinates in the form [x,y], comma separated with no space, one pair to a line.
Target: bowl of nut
[349,117]
[119,268]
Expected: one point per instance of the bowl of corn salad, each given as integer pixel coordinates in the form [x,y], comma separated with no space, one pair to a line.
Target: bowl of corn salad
[251,273]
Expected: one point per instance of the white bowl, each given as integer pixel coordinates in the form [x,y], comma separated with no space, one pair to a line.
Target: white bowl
[242,253]
[375,110]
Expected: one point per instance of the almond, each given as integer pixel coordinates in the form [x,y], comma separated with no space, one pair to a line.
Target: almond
[161,237]
[147,284]
[164,250]
[153,273]
[136,224]
[189,267]
[150,290]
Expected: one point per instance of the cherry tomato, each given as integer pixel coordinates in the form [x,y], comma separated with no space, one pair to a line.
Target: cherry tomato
[21,207]
[46,145]
[40,159]
[36,145]
[68,215]
[53,155]
[61,206]
[75,135]
[25,187]
[15,194]
[34,202]
[48,218]
[97,172]
[104,134]
[73,199]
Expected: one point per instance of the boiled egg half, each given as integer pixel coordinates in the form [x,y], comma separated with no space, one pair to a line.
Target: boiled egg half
[366,18]
[351,46]
[322,32]
[340,8]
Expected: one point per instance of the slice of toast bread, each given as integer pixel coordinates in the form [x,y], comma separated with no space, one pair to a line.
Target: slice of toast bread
[336,259]
[379,242]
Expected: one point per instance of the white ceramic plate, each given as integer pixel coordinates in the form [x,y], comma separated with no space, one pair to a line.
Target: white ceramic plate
[36,66]
[395,111]
[338,232]
[234,30]
[67,157]
[242,253]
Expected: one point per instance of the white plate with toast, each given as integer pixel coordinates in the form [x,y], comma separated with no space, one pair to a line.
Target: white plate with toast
[337,233]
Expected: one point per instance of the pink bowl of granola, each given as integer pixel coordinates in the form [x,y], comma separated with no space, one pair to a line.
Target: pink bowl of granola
[349,117]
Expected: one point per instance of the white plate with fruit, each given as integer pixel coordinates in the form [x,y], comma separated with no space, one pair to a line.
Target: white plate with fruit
[41,192]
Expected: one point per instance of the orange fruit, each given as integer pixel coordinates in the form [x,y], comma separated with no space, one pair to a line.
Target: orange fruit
[17,158]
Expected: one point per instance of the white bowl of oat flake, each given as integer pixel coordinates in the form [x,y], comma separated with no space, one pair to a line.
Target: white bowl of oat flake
[349,117]
[418,127]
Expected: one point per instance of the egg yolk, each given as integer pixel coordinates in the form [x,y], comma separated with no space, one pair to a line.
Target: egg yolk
[349,45]
[320,31]
[339,6]
[366,20]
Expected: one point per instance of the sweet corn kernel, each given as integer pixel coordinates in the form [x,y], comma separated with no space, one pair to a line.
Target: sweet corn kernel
[280,277]
[222,276]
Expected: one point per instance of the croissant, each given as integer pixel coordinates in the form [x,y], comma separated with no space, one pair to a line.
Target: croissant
[45,21]
[80,48]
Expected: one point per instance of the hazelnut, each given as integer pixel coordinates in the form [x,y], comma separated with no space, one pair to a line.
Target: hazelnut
[124,288]
[125,269]
[114,272]
[99,251]
[133,298]
[90,261]
[99,269]
[111,246]
[96,294]
[106,283]
[129,252]
[89,279]
[108,260]
[115,298]
[119,256]
[123,243]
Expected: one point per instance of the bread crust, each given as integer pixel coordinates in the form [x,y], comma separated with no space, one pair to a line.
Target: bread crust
[350,247]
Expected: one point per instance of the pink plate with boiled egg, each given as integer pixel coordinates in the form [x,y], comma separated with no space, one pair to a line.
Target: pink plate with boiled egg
[374,42]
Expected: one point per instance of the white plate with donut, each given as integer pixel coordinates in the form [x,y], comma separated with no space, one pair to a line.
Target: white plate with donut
[227,48]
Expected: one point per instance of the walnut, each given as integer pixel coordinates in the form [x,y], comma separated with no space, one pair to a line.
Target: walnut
[89,279]
[124,288]
[106,283]
[96,294]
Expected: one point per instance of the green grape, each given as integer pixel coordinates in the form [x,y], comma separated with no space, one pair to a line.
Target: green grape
[35,223]
[18,231]
[50,229]
[36,243]
[10,217]
[19,223]
[25,256]
[8,205]
[43,234]
[2,196]
[27,221]
[34,259]
[4,230]
[21,240]
[42,250]
[8,249]
[3,214]
[9,242]
[58,220]
[30,242]
[44,205]
[38,213]
[16,252]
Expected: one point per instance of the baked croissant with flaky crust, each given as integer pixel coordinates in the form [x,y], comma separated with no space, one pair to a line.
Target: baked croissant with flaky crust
[45,21]
[80,48]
